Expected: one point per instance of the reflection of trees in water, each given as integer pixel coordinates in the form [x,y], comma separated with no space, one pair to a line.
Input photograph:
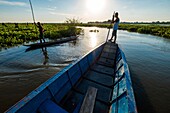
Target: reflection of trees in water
[44,50]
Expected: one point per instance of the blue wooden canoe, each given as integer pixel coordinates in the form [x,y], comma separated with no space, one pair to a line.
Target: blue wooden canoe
[104,68]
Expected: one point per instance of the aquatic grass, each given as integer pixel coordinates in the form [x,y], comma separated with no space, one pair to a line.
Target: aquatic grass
[157,30]
[12,34]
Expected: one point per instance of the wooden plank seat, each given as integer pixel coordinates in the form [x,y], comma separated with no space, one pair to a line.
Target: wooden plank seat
[89,101]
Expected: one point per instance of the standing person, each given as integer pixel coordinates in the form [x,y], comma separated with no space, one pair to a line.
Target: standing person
[41,32]
[115,27]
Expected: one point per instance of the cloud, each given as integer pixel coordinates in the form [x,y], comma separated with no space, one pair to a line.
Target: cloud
[62,14]
[5,2]
[51,8]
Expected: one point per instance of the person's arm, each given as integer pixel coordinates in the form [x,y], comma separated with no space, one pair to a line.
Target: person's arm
[116,20]
[113,19]
[43,29]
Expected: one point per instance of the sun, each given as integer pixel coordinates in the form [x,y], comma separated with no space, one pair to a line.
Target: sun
[95,6]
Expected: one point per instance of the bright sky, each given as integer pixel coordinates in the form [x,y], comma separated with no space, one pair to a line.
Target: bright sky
[85,10]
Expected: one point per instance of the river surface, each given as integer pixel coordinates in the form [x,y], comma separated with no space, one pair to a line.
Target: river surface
[148,58]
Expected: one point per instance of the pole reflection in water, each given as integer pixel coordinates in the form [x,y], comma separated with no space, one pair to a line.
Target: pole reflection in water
[44,50]
[93,39]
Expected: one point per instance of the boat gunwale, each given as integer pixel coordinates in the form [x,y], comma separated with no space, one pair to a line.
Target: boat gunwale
[128,76]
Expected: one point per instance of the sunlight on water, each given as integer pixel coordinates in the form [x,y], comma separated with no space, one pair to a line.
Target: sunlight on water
[93,39]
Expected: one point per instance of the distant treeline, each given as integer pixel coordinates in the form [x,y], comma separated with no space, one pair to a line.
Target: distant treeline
[157,22]
[108,21]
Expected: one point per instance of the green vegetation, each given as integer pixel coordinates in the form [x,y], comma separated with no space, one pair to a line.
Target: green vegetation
[14,34]
[54,31]
[157,30]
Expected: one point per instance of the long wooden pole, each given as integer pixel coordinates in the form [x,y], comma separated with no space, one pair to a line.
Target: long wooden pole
[32,11]
[110,26]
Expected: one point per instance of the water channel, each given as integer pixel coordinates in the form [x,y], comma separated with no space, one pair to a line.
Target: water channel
[148,58]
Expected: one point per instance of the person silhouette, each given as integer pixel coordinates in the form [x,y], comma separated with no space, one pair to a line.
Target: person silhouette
[115,27]
[41,32]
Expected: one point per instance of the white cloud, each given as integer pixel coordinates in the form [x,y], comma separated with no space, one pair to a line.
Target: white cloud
[51,8]
[5,2]
[62,14]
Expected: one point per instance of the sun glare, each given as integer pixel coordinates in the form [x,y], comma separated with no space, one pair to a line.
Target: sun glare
[95,6]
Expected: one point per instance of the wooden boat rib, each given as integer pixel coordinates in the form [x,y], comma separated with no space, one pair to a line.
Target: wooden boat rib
[105,69]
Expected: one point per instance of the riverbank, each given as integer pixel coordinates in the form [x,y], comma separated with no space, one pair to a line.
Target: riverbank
[153,29]
[12,34]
